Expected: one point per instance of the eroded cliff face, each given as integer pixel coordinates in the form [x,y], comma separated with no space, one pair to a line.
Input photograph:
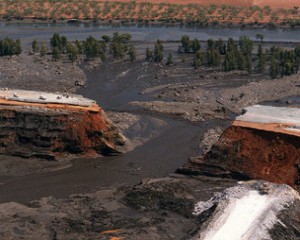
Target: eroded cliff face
[50,130]
[246,153]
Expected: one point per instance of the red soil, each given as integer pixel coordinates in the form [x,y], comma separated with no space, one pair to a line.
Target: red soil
[272,127]
[246,3]
[91,131]
[226,11]
[94,108]
[63,129]
[255,154]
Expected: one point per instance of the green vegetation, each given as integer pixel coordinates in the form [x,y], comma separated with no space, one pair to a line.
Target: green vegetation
[238,55]
[72,52]
[119,45]
[59,43]
[189,46]
[132,53]
[56,54]
[169,60]
[158,51]
[215,55]
[93,48]
[10,47]
[35,46]
[43,51]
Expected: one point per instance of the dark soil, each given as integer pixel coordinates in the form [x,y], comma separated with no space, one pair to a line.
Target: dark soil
[154,104]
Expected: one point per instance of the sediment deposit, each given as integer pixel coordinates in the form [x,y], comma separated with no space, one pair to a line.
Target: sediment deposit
[46,125]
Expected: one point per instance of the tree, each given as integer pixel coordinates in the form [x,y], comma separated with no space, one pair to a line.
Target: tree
[149,55]
[211,44]
[189,46]
[119,45]
[116,50]
[59,42]
[261,60]
[185,43]
[248,63]
[232,53]
[35,46]
[106,38]
[274,68]
[158,51]
[43,51]
[199,59]
[246,45]
[221,46]
[260,36]
[288,68]
[232,47]
[79,46]
[240,61]
[93,48]
[132,53]
[196,46]
[72,52]
[213,57]
[169,60]
[230,62]
[10,47]
[55,54]
[18,47]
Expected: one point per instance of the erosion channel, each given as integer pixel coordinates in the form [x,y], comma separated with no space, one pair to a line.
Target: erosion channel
[169,143]
[169,114]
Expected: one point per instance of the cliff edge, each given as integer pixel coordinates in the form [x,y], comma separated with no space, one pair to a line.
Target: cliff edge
[261,144]
[53,125]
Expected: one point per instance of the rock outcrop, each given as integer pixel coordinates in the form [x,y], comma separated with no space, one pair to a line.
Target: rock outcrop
[264,145]
[36,124]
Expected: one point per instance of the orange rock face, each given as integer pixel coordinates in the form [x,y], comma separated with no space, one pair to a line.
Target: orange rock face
[56,130]
[246,153]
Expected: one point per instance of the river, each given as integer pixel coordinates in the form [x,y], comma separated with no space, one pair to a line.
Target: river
[27,32]
[158,157]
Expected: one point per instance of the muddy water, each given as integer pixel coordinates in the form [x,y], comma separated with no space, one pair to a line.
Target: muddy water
[157,158]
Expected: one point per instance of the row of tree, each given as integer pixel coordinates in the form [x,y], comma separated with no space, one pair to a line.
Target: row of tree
[238,55]
[118,46]
[226,56]
[284,62]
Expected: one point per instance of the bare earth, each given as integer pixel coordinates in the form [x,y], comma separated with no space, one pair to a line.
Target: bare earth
[157,107]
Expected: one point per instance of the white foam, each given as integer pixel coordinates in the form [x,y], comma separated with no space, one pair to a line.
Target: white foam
[237,222]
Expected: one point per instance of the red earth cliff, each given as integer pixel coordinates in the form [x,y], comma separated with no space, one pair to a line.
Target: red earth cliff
[50,130]
[262,143]
[246,153]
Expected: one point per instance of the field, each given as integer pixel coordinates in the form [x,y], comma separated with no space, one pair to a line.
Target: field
[173,11]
